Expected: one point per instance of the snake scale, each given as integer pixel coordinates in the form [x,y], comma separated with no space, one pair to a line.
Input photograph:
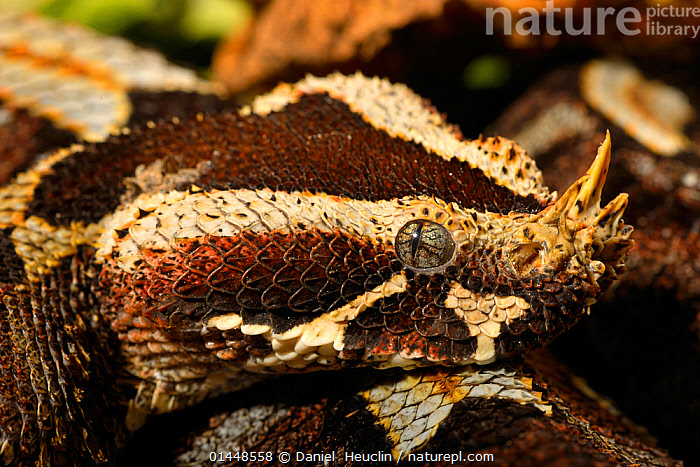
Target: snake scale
[336,223]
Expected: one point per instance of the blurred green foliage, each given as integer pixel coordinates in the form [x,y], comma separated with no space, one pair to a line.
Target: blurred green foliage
[486,72]
[108,16]
[213,19]
[186,30]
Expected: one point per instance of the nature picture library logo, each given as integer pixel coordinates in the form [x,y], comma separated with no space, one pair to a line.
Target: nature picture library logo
[659,20]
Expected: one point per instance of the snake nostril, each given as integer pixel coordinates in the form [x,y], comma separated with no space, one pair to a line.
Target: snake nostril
[526,257]
[596,248]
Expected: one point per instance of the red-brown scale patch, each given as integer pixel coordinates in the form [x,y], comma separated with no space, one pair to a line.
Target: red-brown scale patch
[283,280]
[317,144]
[276,279]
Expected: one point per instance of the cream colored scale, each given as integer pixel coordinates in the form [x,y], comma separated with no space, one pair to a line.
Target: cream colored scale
[77,78]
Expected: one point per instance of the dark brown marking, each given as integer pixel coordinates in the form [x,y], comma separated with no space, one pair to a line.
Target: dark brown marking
[511,153]
[163,105]
[23,138]
[12,269]
[316,144]
[410,324]
[478,423]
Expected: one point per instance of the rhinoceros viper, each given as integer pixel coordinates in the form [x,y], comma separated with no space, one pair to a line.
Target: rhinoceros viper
[336,222]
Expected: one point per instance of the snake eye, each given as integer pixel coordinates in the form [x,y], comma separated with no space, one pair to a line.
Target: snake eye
[424,244]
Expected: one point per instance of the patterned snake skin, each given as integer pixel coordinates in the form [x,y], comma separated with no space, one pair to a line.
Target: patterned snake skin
[335,223]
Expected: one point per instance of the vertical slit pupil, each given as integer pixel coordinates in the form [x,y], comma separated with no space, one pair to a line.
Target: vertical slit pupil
[416,240]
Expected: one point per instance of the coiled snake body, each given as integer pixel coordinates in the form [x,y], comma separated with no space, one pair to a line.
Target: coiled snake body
[338,222]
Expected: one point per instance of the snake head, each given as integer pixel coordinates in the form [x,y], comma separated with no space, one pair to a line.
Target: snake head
[478,286]
[340,221]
